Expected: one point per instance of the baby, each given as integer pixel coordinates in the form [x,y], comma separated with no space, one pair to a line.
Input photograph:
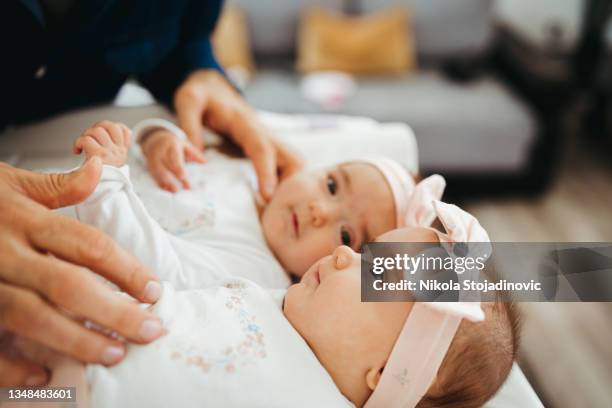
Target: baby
[309,215]
[230,346]
[235,344]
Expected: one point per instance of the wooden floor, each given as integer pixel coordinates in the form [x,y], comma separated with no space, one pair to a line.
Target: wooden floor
[566,348]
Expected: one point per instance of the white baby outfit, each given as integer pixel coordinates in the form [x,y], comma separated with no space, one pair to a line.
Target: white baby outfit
[227,346]
[228,343]
[213,227]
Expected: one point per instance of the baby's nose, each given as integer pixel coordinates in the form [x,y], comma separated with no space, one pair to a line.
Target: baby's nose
[341,257]
[320,213]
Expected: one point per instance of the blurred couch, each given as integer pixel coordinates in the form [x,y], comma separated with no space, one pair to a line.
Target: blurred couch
[471,126]
[596,79]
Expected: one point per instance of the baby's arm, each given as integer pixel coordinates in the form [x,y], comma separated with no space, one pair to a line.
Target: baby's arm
[115,208]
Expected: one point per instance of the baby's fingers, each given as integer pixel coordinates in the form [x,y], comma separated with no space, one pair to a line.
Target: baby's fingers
[162,176]
[194,154]
[88,144]
[100,134]
[127,134]
[176,164]
[115,131]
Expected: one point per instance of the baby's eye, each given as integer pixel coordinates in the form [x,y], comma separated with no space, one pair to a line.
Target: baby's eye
[345,237]
[332,186]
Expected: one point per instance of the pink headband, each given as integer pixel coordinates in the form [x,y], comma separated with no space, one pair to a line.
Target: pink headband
[430,327]
[409,197]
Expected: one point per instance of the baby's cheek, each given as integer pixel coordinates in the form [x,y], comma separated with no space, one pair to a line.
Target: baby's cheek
[314,248]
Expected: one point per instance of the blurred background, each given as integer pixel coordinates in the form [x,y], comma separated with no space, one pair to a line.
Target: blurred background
[510,100]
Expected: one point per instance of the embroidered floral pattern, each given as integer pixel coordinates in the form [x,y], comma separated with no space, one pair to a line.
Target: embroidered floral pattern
[247,351]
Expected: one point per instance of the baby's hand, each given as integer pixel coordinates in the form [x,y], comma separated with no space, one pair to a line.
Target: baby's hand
[108,140]
[166,155]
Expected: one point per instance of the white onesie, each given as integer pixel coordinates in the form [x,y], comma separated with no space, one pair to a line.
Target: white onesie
[212,227]
[227,346]
[228,343]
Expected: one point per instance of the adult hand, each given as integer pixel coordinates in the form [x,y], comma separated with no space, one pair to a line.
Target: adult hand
[206,98]
[44,280]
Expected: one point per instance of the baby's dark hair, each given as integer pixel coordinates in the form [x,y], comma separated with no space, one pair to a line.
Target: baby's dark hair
[478,360]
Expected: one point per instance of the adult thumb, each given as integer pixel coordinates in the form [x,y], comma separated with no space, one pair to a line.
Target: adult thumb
[189,112]
[56,190]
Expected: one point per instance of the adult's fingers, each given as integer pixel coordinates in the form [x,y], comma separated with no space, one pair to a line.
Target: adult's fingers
[190,106]
[60,189]
[26,314]
[289,161]
[18,371]
[84,245]
[260,150]
[77,291]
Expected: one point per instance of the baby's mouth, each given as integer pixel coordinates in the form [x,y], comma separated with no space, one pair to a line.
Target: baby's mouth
[313,276]
[296,223]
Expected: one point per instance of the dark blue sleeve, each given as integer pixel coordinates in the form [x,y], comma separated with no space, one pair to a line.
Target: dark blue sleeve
[194,50]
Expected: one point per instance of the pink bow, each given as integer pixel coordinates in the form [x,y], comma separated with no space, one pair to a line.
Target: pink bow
[419,209]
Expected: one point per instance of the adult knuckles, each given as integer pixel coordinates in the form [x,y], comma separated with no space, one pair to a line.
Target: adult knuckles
[47,225]
[135,275]
[15,211]
[96,247]
[186,93]
[83,346]
[123,317]
[21,311]
[258,147]
[64,288]
[14,255]
[7,303]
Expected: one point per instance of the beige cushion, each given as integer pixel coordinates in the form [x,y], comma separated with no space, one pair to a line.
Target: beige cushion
[377,43]
[231,40]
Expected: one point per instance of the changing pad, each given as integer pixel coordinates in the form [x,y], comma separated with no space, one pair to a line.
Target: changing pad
[48,144]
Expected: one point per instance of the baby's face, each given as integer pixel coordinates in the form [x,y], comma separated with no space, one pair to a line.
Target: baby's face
[351,339]
[313,212]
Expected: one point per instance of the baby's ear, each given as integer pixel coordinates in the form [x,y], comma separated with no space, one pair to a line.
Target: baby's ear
[373,376]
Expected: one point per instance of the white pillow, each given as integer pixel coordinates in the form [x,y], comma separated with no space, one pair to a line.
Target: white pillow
[328,139]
